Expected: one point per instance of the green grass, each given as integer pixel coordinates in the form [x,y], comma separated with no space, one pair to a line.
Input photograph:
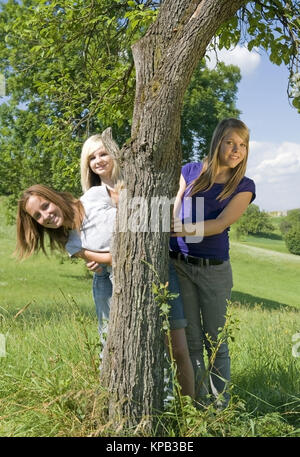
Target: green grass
[272,241]
[265,373]
[267,277]
[48,375]
[39,279]
[49,380]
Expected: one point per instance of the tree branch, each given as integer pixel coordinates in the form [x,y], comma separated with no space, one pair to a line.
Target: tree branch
[177,40]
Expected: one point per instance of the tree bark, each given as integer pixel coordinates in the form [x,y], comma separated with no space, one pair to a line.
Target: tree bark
[165,59]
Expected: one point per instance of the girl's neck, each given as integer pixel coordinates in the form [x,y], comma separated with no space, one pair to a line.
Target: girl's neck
[110,186]
[223,175]
[108,182]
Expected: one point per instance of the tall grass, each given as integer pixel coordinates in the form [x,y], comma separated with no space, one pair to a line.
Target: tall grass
[266,375]
[49,379]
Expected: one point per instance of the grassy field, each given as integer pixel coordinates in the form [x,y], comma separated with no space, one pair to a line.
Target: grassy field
[272,241]
[49,380]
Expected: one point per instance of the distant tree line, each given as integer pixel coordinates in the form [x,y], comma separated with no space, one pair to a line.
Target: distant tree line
[290,229]
[254,222]
[257,222]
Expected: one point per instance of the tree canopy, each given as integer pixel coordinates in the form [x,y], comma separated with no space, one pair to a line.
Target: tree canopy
[254,221]
[69,72]
[290,229]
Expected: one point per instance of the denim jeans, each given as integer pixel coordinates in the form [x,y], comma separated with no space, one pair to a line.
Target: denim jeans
[205,291]
[176,316]
[102,292]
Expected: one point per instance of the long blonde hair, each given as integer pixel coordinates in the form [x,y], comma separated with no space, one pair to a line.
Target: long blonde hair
[207,177]
[31,234]
[94,142]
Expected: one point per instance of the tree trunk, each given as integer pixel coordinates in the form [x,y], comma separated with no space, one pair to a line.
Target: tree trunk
[165,59]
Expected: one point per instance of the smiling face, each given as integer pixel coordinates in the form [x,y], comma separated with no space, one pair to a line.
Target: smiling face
[233,150]
[101,163]
[44,212]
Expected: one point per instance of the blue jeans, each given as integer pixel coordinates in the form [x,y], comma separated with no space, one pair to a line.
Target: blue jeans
[102,293]
[176,316]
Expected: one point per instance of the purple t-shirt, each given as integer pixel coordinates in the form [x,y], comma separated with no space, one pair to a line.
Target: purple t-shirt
[215,246]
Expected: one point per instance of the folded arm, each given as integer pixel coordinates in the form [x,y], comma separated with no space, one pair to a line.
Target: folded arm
[230,214]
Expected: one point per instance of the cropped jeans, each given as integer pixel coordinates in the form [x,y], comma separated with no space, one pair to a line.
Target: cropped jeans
[205,291]
[102,293]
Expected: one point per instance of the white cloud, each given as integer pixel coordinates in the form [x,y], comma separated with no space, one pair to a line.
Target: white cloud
[275,168]
[240,56]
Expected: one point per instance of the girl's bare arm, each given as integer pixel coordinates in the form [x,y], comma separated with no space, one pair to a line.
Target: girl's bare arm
[92,256]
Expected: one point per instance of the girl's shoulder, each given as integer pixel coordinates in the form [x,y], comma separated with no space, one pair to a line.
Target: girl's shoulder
[246,185]
[191,171]
[94,193]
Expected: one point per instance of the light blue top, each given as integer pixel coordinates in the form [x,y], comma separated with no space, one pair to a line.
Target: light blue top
[98,224]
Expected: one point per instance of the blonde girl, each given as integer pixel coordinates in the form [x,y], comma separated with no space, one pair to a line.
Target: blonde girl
[203,265]
[99,167]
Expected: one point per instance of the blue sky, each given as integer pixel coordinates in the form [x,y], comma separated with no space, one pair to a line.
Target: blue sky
[274,159]
[264,103]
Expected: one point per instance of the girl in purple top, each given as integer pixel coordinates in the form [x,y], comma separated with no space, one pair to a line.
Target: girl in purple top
[202,263]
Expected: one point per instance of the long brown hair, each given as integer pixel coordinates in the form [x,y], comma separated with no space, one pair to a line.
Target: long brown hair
[31,234]
[207,177]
